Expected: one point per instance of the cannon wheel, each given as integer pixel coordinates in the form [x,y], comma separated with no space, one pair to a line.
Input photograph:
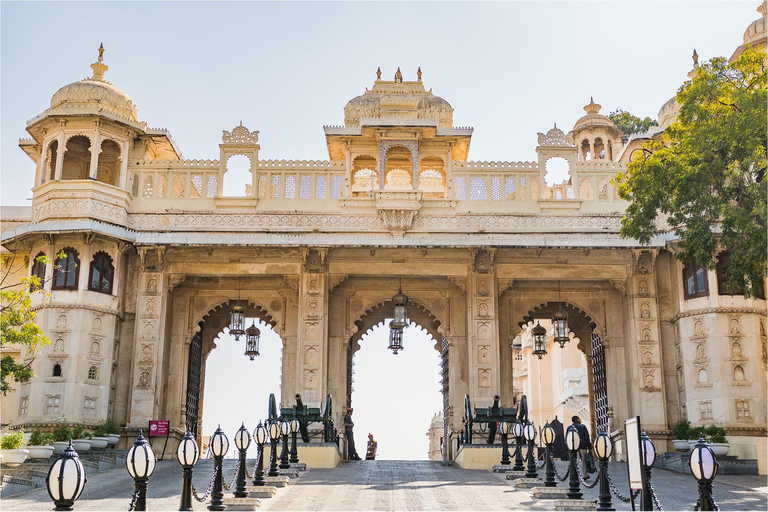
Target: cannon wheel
[272,407]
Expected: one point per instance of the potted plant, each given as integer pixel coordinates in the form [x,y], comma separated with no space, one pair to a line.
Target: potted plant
[680,434]
[82,438]
[113,432]
[715,436]
[61,436]
[10,448]
[99,440]
[694,435]
[40,444]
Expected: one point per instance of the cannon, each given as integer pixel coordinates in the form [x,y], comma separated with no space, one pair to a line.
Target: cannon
[306,415]
[491,416]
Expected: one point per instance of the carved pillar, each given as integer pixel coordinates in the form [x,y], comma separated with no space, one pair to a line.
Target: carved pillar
[124,148]
[312,340]
[95,152]
[482,329]
[151,311]
[60,150]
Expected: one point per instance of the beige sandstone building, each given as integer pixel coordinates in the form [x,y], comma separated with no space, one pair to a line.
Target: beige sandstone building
[316,249]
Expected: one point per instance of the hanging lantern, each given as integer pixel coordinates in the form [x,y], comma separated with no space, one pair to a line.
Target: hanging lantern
[399,322]
[395,338]
[560,326]
[237,323]
[539,335]
[252,335]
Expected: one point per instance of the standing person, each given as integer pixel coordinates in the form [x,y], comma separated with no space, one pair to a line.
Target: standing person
[370,452]
[584,446]
[348,424]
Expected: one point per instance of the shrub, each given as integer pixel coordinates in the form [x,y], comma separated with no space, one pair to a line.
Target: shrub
[40,438]
[715,434]
[696,433]
[80,432]
[111,427]
[12,440]
[62,432]
[682,429]
[100,429]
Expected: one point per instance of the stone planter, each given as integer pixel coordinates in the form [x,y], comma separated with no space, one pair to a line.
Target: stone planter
[40,452]
[81,445]
[680,445]
[692,443]
[14,457]
[60,446]
[98,443]
[113,439]
[719,449]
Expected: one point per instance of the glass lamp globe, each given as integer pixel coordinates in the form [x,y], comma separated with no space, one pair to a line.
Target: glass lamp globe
[285,427]
[66,478]
[242,438]
[219,443]
[294,426]
[572,439]
[649,451]
[504,427]
[274,430]
[140,460]
[703,462]
[548,434]
[603,445]
[188,451]
[260,434]
[517,430]
[529,432]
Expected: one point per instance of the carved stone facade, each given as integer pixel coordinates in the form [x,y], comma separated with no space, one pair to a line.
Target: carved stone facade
[482,249]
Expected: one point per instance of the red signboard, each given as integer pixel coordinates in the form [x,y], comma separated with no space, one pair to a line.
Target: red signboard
[158,428]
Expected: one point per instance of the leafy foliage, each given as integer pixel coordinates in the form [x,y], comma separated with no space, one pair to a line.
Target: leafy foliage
[62,432]
[630,124]
[706,177]
[12,440]
[682,429]
[81,432]
[111,427]
[40,438]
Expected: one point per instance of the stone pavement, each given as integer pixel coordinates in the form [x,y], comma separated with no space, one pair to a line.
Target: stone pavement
[390,485]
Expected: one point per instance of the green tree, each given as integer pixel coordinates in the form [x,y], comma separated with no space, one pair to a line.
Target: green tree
[17,326]
[630,124]
[706,177]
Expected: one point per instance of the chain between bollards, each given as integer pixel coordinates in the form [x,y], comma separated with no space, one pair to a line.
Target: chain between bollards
[234,478]
[133,500]
[655,498]
[616,492]
[584,482]
[210,487]
[554,468]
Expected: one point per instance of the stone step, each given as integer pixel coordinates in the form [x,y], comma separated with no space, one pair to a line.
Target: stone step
[527,483]
[575,504]
[511,475]
[14,485]
[549,493]
[277,481]
[242,503]
[263,491]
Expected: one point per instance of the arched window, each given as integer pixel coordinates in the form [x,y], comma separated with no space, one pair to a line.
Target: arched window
[38,271]
[93,372]
[66,270]
[102,272]
[695,281]
[56,370]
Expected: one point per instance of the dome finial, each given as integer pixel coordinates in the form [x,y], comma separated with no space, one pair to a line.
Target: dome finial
[378,73]
[763,9]
[418,73]
[98,67]
[398,76]
[695,58]
[592,108]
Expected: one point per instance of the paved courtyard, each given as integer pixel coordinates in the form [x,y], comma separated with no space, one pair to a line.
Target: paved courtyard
[391,485]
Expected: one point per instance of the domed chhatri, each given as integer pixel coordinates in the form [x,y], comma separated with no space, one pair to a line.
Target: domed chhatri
[94,95]
[399,98]
[757,29]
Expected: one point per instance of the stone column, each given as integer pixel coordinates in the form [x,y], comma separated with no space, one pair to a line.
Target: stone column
[95,152]
[124,147]
[482,330]
[60,150]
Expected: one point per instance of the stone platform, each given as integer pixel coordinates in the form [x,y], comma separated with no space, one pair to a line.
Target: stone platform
[549,493]
[526,483]
[242,503]
[567,504]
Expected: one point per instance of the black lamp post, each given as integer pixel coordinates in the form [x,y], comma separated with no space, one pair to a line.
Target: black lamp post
[649,457]
[294,433]
[548,436]
[539,336]
[219,448]
[66,479]
[285,429]
[504,429]
[242,442]
[260,435]
[187,453]
[572,442]
[530,435]
[603,450]
[703,464]
[140,463]
[517,431]
[274,437]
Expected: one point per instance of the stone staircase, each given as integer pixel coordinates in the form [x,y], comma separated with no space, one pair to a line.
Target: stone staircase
[729,465]
[31,474]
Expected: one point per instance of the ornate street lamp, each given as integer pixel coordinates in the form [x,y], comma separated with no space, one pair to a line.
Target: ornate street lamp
[66,479]
[649,457]
[399,321]
[187,453]
[219,448]
[539,335]
[703,464]
[548,436]
[530,435]
[517,431]
[504,429]
[140,462]
[573,442]
[294,433]
[274,436]
[560,322]
[285,430]
[252,335]
[260,435]
[603,450]
[242,442]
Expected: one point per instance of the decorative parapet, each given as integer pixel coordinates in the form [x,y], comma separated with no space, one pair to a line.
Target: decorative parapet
[500,166]
[600,165]
[186,164]
[300,164]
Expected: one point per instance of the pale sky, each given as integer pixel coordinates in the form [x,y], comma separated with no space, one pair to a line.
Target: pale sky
[509,69]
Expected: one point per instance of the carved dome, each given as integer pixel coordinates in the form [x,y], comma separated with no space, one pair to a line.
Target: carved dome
[94,95]
[757,29]
[668,112]
[593,118]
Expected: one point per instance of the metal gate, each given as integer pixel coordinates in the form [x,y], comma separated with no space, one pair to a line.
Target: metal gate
[600,385]
[194,368]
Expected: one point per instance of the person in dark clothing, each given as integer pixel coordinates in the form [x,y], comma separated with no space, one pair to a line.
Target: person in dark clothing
[348,424]
[584,446]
